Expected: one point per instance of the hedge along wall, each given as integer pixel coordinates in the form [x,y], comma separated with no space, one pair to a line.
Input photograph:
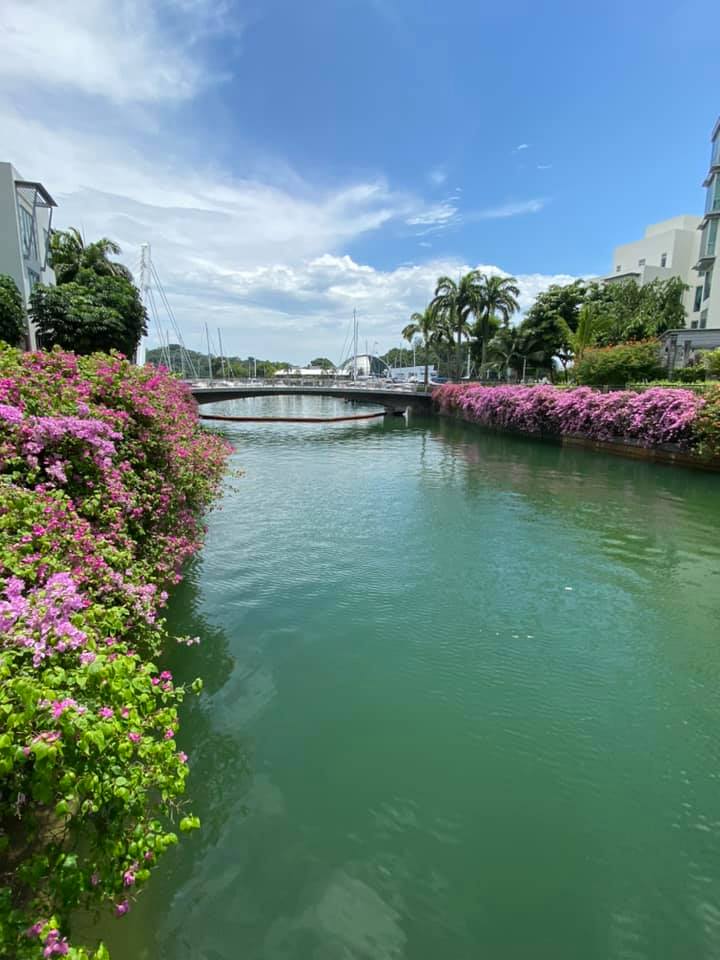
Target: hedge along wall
[104,477]
[653,418]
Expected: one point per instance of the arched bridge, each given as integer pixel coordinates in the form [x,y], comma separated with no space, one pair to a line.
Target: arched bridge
[395,400]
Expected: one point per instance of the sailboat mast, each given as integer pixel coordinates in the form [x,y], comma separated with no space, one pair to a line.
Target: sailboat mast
[355,344]
[207,335]
[222,358]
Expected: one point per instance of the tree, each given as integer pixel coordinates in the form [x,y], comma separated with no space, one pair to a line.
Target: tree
[454,304]
[586,331]
[94,313]
[661,306]
[424,324]
[550,336]
[323,363]
[12,311]
[69,254]
[498,299]
[561,303]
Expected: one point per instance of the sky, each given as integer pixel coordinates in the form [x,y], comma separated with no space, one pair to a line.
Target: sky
[290,161]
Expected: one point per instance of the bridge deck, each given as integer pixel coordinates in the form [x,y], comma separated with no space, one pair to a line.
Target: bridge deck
[389,397]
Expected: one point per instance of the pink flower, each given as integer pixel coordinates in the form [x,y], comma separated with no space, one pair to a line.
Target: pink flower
[134,737]
[34,930]
[122,908]
[107,713]
[169,734]
[129,876]
[182,756]
[125,713]
[166,675]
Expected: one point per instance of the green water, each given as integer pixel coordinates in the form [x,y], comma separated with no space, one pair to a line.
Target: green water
[462,701]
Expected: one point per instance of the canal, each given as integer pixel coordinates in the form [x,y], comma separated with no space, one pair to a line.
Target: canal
[462,700]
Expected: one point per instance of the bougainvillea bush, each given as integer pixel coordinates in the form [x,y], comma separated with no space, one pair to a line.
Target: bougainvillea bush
[651,418]
[105,474]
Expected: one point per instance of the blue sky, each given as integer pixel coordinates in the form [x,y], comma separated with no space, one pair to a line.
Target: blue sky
[290,161]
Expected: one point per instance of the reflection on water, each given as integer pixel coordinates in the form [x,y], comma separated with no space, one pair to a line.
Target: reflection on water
[461,699]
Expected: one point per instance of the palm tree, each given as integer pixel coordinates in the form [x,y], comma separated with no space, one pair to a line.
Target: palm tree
[70,254]
[498,298]
[454,304]
[426,325]
[586,331]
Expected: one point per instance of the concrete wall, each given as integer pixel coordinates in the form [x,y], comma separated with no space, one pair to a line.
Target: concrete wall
[11,262]
[26,269]
[679,347]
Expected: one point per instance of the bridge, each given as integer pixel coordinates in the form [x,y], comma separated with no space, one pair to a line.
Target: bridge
[396,399]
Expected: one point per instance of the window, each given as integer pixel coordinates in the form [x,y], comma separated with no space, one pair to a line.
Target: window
[709,239]
[618,268]
[641,263]
[712,203]
[698,298]
[33,278]
[28,235]
[663,260]
[708,284]
[703,319]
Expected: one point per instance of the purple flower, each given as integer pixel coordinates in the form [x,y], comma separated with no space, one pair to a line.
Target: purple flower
[122,908]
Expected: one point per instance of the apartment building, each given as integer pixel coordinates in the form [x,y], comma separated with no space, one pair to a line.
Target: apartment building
[684,247]
[26,210]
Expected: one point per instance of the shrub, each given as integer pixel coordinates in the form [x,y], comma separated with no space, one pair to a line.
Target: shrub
[652,417]
[104,475]
[707,425]
[12,311]
[692,374]
[616,366]
[711,362]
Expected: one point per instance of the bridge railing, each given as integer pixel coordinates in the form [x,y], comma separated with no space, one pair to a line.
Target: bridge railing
[325,382]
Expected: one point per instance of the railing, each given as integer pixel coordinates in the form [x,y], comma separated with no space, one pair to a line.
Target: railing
[325,382]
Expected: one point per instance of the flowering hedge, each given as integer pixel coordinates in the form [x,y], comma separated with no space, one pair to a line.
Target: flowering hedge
[104,476]
[652,418]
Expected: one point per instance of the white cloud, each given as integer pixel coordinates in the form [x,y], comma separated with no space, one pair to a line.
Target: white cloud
[512,209]
[121,50]
[439,214]
[262,261]
[544,166]
[262,256]
[437,176]
[521,146]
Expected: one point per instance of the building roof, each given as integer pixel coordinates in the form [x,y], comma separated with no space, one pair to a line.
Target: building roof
[35,185]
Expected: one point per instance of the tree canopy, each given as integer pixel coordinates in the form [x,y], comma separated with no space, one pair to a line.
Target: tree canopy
[95,305]
[12,311]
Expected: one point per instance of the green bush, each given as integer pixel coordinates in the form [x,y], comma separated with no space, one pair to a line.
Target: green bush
[616,366]
[105,473]
[711,362]
[693,374]
[707,425]
[12,311]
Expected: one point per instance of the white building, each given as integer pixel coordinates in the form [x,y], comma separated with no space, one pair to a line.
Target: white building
[668,249]
[709,296]
[682,247]
[25,223]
